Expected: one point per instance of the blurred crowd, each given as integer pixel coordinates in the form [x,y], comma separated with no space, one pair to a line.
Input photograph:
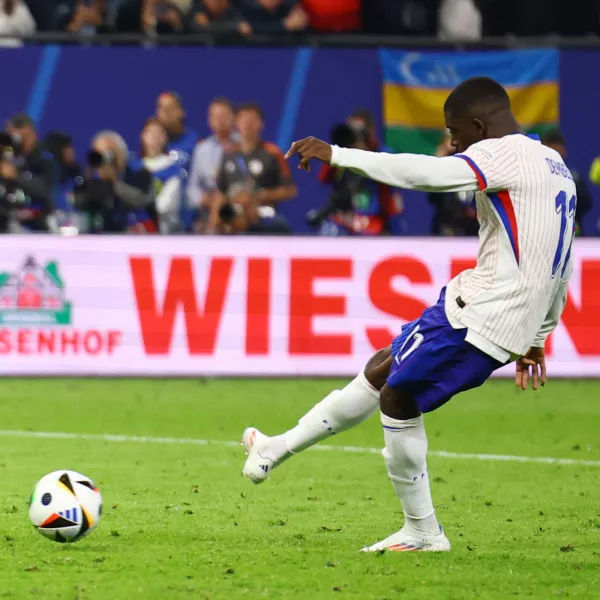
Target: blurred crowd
[235,181]
[448,19]
[232,182]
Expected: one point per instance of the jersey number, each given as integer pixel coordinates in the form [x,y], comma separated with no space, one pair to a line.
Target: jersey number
[417,338]
[567,213]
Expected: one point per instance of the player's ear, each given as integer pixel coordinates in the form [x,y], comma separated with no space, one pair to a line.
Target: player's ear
[480,127]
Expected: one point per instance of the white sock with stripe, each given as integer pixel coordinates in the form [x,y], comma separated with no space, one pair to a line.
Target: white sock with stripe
[405,454]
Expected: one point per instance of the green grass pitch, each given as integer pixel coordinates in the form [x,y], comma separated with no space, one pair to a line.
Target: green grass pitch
[180,521]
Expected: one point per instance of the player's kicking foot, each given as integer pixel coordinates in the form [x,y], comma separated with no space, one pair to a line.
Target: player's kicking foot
[257,466]
[408,540]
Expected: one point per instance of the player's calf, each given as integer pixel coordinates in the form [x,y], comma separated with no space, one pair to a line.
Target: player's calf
[337,412]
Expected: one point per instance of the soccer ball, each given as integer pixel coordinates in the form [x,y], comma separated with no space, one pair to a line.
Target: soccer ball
[65,506]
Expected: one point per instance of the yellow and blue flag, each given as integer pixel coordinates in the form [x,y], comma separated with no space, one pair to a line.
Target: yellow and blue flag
[416,84]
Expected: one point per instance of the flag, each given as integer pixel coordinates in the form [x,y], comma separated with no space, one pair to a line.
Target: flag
[416,84]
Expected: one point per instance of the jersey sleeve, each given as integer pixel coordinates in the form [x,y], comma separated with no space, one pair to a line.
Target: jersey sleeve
[553,316]
[408,171]
[494,162]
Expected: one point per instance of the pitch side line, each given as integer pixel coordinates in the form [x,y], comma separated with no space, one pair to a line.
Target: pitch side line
[92,437]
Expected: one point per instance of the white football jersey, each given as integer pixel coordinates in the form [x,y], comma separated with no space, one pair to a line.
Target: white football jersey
[526,210]
[526,204]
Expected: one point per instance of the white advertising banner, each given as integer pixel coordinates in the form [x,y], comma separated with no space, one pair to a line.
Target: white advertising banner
[198,306]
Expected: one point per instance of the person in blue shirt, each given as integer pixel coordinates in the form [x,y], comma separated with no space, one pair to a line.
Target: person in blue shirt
[170,111]
[169,174]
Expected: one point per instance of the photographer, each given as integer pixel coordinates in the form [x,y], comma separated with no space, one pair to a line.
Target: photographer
[28,166]
[60,145]
[356,206]
[117,194]
[253,179]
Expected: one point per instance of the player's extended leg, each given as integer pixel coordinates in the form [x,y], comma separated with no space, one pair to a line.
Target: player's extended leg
[405,454]
[339,411]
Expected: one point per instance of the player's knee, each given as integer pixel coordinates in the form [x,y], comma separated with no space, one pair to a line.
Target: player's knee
[397,404]
[378,368]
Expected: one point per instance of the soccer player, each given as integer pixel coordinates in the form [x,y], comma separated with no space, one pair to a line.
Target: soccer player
[499,312]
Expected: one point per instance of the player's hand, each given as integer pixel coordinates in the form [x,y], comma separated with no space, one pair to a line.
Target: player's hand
[536,361]
[308,149]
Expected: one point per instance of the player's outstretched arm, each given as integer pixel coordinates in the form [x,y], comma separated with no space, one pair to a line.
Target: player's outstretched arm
[408,171]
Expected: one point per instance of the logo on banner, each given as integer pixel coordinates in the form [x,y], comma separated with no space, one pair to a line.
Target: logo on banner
[34,295]
[36,315]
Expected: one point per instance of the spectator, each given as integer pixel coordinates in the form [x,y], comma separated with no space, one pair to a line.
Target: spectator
[218,16]
[253,176]
[333,15]
[401,17]
[202,183]
[88,17]
[357,205]
[455,213]
[170,112]
[117,193]
[37,172]
[15,20]
[274,16]
[554,139]
[165,16]
[363,124]
[60,145]
[167,171]
[44,13]
[459,20]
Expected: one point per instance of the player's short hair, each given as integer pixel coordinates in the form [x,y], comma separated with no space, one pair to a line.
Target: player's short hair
[554,137]
[251,106]
[481,93]
[223,102]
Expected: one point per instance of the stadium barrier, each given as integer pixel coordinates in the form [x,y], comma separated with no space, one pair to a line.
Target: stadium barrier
[181,306]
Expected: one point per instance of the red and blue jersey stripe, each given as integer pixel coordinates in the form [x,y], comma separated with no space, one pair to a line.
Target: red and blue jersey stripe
[503,204]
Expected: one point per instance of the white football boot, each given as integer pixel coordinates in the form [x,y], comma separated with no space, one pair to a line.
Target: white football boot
[409,540]
[257,466]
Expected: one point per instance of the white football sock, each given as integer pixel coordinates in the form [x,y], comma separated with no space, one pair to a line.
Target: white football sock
[341,410]
[405,454]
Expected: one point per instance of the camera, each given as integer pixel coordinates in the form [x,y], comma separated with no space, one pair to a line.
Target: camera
[228,212]
[10,146]
[344,186]
[12,198]
[99,159]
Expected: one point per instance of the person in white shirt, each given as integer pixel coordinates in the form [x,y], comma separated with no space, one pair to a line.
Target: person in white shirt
[501,311]
[15,19]
[202,183]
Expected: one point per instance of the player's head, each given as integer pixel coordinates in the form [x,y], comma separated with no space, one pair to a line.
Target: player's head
[478,109]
